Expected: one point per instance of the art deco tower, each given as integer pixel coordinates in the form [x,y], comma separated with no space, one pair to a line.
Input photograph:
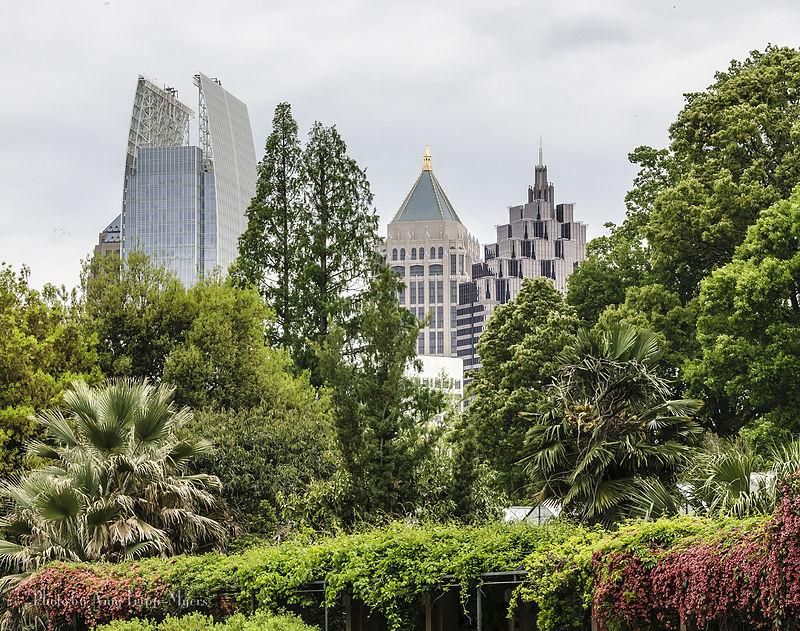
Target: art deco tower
[541,238]
[432,251]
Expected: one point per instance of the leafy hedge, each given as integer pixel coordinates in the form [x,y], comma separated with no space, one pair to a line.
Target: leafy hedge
[198,622]
[644,576]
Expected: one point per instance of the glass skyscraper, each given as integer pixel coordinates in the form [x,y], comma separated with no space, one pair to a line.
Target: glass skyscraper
[184,206]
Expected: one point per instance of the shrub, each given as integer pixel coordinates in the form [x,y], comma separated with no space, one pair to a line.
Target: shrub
[198,622]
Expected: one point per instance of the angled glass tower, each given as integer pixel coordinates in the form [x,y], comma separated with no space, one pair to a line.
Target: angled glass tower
[184,205]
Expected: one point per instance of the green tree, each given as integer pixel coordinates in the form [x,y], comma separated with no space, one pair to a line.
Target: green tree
[382,417]
[749,330]
[518,352]
[272,247]
[737,147]
[268,456]
[621,260]
[43,347]
[655,308]
[138,312]
[223,359]
[116,486]
[343,233]
[609,427]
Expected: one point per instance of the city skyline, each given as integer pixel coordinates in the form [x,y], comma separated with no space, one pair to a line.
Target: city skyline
[478,84]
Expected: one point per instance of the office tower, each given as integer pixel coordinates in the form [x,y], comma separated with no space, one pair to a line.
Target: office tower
[109,240]
[541,238]
[432,252]
[184,205]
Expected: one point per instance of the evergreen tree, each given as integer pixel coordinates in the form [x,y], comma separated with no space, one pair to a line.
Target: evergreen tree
[343,233]
[271,248]
[381,415]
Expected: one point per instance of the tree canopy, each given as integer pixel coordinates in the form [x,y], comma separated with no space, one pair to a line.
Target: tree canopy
[749,328]
[43,347]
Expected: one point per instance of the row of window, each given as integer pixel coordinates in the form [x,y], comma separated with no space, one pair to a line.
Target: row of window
[421,251]
[435,292]
[433,270]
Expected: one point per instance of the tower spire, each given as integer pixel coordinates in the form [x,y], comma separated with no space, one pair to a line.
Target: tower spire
[426,160]
[540,150]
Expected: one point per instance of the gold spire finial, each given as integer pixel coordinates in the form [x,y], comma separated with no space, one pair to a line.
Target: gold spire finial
[426,160]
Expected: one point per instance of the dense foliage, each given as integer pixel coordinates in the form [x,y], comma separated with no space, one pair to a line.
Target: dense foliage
[644,576]
[733,155]
[267,457]
[383,418]
[749,327]
[519,351]
[199,622]
[42,349]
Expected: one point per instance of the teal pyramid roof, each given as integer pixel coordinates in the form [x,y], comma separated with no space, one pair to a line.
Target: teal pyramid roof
[427,200]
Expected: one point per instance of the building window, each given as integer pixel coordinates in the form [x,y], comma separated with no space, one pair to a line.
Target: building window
[441,253]
[399,270]
[453,264]
[432,342]
[460,263]
[402,254]
[417,270]
[421,344]
[421,292]
[433,253]
[435,270]
[440,342]
[413,300]
[401,296]
[422,254]
[413,254]
[440,318]
[432,291]
[394,254]
[440,291]
[453,318]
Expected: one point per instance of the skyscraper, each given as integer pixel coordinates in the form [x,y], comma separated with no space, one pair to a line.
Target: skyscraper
[541,238]
[432,251]
[184,206]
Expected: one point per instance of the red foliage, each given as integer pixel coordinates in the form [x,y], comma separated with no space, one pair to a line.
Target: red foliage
[746,576]
[91,594]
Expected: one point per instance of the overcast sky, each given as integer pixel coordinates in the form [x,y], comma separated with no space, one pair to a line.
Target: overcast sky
[477,81]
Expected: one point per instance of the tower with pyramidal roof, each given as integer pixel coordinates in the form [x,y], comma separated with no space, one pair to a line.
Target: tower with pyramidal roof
[432,252]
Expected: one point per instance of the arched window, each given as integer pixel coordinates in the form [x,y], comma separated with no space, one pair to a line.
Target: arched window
[394,254]
[413,254]
[417,270]
[441,253]
[402,254]
[421,253]
[399,270]
[436,270]
[433,253]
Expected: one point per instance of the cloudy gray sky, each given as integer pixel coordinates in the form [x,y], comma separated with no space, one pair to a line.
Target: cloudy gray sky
[477,81]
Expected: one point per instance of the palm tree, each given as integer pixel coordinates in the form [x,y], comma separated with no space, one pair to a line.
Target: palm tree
[726,478]
[609,426]
[116,486]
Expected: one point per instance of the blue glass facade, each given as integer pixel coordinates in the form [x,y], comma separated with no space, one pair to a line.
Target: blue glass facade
[164,207]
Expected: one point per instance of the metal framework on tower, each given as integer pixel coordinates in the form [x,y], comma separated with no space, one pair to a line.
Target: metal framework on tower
[159,119]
